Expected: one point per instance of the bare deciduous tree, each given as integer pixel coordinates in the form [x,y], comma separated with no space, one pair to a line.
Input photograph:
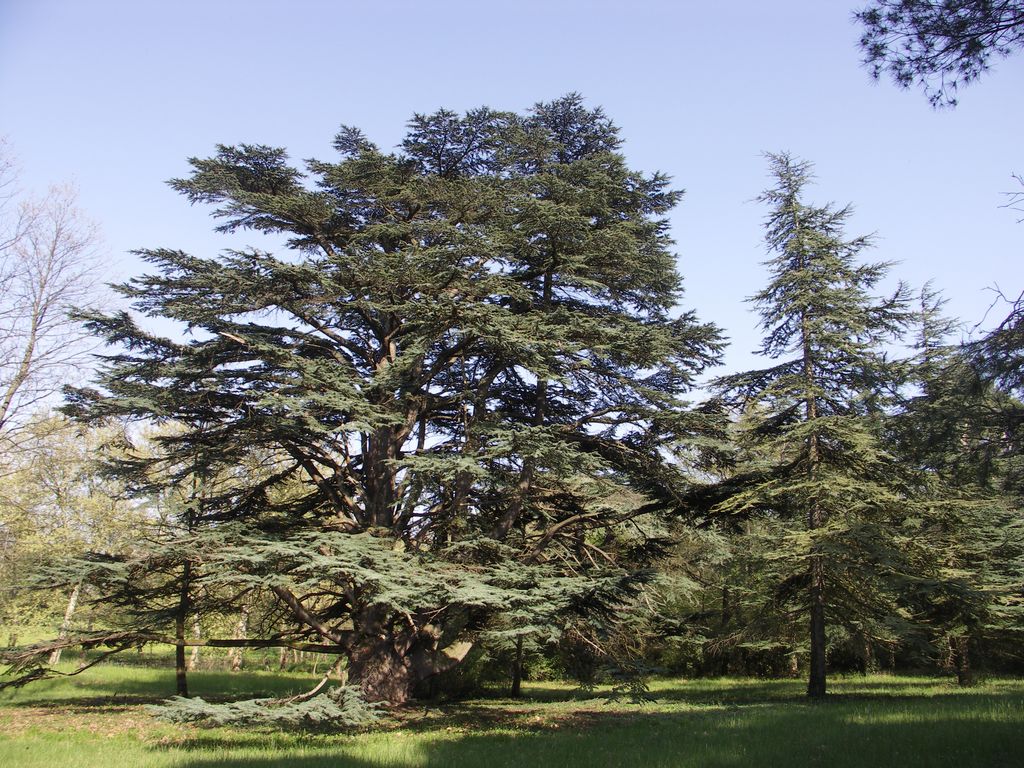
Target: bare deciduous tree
[48,268]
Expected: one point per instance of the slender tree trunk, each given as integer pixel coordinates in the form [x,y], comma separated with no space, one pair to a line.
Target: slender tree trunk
[816,678]
[815,517]
[66,624]
[28,352]
[241,633]
[723,667]
[180,666]
[869,657]
[197,632]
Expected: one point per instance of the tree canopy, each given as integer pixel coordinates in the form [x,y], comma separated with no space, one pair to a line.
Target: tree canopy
[447,394]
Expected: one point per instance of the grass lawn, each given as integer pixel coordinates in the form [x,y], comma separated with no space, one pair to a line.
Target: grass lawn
[99,719]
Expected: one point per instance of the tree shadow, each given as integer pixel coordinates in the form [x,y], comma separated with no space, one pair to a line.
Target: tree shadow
[709,723]
[838,737]
[881,724]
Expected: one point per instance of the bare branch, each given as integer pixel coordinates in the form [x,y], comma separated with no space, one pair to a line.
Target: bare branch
[49,268]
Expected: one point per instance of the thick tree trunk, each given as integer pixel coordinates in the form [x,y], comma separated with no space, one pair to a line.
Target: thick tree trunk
[180,662]
[390,666]
[381,672]
[66,624]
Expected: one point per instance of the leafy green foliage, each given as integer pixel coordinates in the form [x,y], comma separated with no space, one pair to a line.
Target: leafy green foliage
[54,508]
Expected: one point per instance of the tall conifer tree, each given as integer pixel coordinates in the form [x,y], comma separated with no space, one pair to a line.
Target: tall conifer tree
[811,416]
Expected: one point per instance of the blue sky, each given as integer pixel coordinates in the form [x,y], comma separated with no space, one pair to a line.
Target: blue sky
[116,95]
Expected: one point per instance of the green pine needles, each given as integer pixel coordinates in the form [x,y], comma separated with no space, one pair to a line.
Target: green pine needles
[339,707]
[809,426]
[440,431]
[432,418]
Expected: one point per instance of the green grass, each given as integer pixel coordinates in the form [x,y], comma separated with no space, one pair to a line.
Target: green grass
[99,719]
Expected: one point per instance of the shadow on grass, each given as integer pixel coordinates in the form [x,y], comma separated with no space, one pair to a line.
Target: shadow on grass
[740,691]
[848,690]
[888,723]
[841,736]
